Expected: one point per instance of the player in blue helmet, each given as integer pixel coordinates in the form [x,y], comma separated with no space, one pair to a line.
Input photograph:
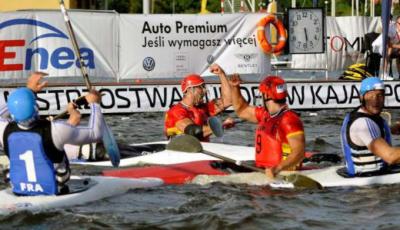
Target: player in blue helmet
[22,105]
[371,83]
[365,135]
[35,146]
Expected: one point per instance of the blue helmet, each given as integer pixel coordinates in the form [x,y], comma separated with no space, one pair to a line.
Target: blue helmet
[371,83]
[22,105]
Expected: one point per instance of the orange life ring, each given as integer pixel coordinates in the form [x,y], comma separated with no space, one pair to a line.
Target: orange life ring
[262,40]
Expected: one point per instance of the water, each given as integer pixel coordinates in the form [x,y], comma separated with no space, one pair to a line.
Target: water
[220,206]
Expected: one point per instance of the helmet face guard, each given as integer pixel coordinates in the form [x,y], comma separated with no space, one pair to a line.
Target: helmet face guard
[273,87]
[22,105]
[191,81]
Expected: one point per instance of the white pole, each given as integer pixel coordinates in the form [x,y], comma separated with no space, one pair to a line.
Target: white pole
[365,7]
[293,3]
[372,8]
[352,7]
[333,8]
[146,6]
[357,7]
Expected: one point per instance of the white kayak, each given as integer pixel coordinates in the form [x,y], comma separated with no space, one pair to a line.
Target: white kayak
[3,161]
[87,189]
[327,177]
[155,153]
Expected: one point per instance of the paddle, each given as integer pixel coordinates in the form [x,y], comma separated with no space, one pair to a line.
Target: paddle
[108,138]
[216,126]
[188,143]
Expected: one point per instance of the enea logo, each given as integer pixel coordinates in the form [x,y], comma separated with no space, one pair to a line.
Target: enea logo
[41,57]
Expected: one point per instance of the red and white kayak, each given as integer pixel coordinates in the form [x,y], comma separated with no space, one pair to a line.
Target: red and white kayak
[175,173]
[204,172]
[184,172]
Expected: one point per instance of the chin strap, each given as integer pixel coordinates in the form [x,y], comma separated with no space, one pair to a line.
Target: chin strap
[362,101]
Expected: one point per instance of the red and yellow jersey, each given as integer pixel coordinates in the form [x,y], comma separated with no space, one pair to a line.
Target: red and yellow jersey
[271,141]
[198,114]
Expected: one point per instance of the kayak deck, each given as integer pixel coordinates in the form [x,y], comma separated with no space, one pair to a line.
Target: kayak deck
[178,173]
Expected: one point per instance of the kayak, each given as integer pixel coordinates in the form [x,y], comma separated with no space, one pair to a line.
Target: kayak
[184,172]
[82,190]
[335,176]
[205,172]
[176,173]
[156,153]
[3,161]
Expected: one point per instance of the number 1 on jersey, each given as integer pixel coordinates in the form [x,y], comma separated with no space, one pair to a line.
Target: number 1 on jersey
[27,157]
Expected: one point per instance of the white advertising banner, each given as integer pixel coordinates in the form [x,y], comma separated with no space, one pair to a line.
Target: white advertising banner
[39,41]
[344,42]
[172,46]
[122,98]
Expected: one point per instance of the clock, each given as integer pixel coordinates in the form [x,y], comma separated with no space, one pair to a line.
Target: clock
[306,30]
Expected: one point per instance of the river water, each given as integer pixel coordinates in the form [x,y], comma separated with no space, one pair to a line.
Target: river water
[219,206]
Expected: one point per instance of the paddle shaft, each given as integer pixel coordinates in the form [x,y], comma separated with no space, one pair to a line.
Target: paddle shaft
[65,113]
[244,165]
[108,138]
[300,181]
[77,53]
[75,46]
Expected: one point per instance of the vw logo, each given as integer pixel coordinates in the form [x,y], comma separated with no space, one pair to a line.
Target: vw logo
[210,59]
[149,63]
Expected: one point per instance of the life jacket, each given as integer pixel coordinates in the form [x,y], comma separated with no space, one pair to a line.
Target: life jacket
[32,154]
[198,114]
[359,160]
[270,148]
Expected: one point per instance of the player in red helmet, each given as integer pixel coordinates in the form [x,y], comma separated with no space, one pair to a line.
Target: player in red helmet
[190,115]
[279,140]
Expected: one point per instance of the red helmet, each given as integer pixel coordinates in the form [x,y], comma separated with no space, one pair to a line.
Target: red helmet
[273,87]
[191,80]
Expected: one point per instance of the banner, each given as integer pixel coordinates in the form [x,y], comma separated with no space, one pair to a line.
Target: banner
[172,46]
[39,41]
[123,98]
[344,41]
[136,46]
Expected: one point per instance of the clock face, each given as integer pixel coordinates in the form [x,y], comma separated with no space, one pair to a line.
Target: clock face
[306,30]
